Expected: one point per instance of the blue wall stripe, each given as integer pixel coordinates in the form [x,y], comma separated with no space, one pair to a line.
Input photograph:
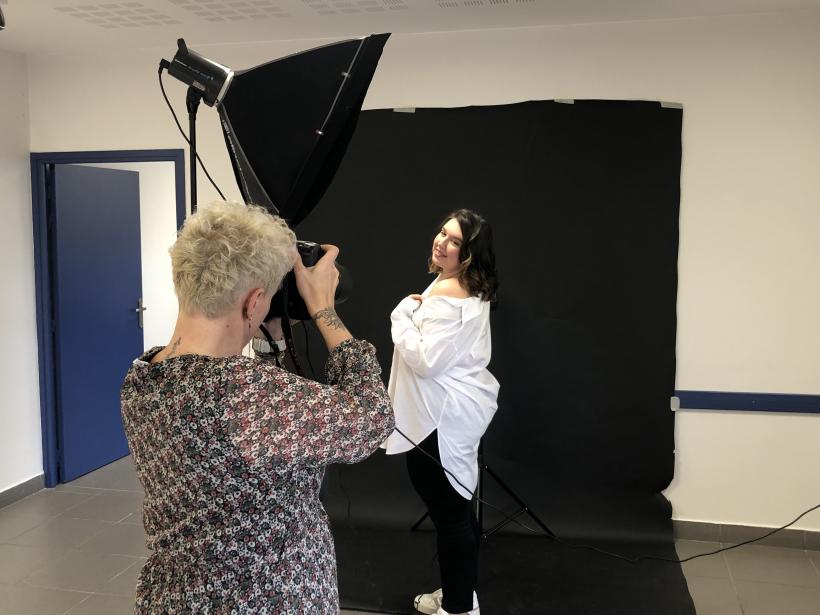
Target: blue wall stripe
[755,402]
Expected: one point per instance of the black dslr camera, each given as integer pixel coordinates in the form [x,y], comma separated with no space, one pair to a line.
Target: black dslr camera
[288,302]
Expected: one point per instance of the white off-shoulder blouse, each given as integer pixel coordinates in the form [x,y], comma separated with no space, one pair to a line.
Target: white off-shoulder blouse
[439,380]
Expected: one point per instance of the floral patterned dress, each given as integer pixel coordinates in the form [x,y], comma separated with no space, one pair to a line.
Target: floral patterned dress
[231,454]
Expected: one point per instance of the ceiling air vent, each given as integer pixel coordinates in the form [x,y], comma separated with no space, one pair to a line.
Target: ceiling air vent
[231,10]
[118,15]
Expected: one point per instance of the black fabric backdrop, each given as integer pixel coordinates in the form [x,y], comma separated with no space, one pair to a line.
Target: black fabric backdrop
[583,199]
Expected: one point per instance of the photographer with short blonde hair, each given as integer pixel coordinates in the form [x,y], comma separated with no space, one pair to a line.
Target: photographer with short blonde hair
[231,450]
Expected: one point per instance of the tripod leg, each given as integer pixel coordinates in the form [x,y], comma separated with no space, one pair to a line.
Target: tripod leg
[519,501]
[419,522]
[501,524]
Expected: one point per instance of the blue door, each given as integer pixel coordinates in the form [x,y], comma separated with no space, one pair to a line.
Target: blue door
[97,288]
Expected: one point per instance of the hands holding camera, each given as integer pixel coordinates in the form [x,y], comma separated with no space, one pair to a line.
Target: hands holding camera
[317,286]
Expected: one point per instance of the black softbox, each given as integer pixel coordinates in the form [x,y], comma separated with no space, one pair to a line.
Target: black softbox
[287,123]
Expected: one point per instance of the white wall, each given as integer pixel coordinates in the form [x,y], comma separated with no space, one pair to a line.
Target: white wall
[158,231]
[749,255]
[20,435]
[747,468]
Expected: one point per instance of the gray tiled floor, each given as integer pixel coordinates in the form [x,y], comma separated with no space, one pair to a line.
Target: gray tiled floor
[77,550]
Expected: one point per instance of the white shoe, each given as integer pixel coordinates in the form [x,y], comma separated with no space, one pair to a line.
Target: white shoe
[428,603]
[474,611]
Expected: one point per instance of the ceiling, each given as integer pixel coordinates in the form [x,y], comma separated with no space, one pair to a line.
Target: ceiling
[49,26]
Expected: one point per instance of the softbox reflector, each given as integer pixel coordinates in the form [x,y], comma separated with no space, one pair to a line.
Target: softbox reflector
[287,123]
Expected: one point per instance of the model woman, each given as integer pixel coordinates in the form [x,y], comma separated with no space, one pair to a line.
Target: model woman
[444,398]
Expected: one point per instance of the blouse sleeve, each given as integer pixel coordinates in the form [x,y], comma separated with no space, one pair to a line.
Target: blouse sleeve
[276,417]
[445,334]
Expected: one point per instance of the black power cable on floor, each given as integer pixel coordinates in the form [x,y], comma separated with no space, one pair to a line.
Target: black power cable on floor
[740,544]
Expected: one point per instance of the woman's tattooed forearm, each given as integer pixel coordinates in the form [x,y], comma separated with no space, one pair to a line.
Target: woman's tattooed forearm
[330,318]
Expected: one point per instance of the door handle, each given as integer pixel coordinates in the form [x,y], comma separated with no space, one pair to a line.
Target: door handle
[140,309]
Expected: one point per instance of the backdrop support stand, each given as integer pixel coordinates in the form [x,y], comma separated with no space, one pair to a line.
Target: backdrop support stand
[482,468]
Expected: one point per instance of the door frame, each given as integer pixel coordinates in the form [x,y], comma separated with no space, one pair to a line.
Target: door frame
[42,273]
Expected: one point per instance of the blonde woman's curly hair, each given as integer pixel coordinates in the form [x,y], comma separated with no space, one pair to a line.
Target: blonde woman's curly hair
[226,249]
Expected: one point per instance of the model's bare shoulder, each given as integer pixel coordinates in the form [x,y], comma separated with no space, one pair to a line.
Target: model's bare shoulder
[449,288]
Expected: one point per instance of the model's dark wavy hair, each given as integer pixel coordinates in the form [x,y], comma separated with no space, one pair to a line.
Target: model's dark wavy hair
[477,274]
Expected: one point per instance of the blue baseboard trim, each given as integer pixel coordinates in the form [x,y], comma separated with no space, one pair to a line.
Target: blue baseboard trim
[753,402]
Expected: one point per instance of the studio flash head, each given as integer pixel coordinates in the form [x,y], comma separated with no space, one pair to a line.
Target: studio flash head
[209,78]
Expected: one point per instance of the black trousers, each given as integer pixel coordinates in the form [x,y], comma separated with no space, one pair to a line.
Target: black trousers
[457,532]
